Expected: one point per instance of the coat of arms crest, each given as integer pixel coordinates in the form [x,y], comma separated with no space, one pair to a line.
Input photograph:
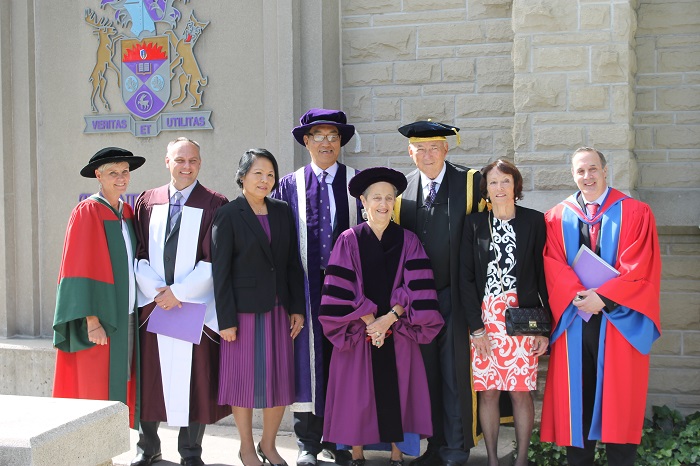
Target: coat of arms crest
[144,62]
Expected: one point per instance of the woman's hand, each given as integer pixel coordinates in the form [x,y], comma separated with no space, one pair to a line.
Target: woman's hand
[539,346]
[229,334]
[377,329]
[482,344]
[96,333]
[296,323]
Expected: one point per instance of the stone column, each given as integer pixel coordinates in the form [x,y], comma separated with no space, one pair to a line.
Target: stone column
[574,85]
[19,251]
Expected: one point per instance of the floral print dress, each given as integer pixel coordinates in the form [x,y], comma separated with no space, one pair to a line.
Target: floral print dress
[512,366]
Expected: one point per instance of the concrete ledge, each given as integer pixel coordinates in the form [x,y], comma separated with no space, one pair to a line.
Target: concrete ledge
[27,366]
[41,431]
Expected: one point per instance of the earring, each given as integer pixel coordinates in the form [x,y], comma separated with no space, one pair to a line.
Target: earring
[393,215]
[364,215]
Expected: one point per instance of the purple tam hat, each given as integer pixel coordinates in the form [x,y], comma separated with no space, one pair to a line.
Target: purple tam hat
[322,116]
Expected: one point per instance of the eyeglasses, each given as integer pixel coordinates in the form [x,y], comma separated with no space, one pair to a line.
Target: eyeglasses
[321,137]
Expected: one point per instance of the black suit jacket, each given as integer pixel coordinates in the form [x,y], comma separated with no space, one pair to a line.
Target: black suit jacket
[530,236]
[459,204]
[249,271]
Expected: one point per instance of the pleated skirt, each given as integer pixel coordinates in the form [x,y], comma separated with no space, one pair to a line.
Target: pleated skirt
[257,370]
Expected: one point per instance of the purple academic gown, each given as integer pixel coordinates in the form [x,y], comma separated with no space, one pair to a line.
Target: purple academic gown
[351,409]
[310,362]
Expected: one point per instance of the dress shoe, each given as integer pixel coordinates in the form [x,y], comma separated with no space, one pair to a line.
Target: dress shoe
[145,460]
[452,463]
[395,462]
[305,458]
[192,461]
[357,462]
[265,460]
[339,457]
[431,457]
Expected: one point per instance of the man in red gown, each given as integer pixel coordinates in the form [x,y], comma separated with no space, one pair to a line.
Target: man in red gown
[602,336]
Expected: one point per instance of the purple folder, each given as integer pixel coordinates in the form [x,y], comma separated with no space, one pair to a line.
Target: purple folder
[592,271]
[184,323]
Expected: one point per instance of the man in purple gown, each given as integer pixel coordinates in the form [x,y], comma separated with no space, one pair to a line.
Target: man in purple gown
[322,207]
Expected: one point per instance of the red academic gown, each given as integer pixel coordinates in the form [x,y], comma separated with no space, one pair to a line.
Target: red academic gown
[94,280]
[203,408]
[628,242]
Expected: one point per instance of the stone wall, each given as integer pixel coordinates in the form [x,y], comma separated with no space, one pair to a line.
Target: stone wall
[675,362]
[667,145]
[448,60]
[667,117]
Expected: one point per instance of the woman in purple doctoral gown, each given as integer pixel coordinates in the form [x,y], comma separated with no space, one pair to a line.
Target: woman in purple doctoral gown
[379,303]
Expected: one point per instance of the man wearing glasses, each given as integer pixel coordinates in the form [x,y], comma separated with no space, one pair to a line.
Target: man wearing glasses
[323,208]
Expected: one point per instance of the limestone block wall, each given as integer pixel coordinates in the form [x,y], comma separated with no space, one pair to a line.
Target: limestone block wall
[667,145]
[675,362]
[667,117]
[574,66]
[448,60]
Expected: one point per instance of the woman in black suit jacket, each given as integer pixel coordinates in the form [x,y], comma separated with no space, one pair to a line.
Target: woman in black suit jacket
[501,266]
[259,303]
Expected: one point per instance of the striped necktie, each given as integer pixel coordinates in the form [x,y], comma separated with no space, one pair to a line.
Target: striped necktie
[175,209]
[431,195]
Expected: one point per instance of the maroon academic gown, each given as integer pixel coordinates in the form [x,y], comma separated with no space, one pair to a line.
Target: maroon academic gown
[203,407]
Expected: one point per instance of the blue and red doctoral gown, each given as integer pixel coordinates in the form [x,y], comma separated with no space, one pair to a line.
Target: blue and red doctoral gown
[628,242]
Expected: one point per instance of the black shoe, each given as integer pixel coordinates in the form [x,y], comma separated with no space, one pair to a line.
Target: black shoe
[145,460]
[431,457]
[306,458]
[358,462]
[395,462]
[452,463]
[339,457]
[265,460]
[192,461]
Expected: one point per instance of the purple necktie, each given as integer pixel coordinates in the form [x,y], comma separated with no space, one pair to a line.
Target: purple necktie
[324,220]
[431,195]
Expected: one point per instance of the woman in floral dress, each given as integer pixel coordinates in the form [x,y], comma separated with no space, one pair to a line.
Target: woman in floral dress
[500,267]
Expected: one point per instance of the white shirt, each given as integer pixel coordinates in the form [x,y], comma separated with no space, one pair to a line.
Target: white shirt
[425,181]
[330,176]
[185,192]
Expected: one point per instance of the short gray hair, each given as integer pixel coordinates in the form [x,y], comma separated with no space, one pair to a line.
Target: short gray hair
[603,162]
[183,139]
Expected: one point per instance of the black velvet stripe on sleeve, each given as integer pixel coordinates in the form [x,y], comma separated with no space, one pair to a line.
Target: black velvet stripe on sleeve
[336,309]
[425,304]
[417,264]
[338,292]
[421,284]
[341,272]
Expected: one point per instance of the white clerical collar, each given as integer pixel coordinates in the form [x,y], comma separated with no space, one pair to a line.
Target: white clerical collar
[425,181]
[598,201]
[185,192]
[331,171]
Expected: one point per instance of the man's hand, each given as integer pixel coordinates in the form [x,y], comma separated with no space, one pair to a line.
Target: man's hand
[589,302]
[166,299]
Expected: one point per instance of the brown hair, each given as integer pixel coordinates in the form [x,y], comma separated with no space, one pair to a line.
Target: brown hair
[504,166]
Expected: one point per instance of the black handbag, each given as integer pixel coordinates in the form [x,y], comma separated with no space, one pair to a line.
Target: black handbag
[531,321]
